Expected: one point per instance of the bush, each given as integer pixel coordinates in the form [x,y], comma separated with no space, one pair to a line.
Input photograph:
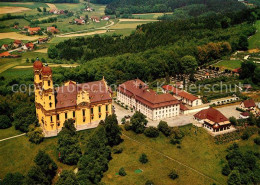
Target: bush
[164,128]
[226,170]
[122,172]
[118,150]
[138,122]
[151,132]
[143,158]
[127,126]
[5,122]
[149,182]
[13,179]
[35,134]
[233,120]
[173,175]
[175,141]
[257,140]
[245,135]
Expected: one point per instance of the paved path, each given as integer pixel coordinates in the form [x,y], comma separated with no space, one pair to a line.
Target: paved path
[12,137]
[172,159]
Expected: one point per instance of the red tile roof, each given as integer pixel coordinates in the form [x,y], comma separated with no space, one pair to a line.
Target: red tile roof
[249,103]
[180,93]
[140,91]
[67,95]
[211,114]
[18,42]
[245,114]
[236,70]
[35,29]
[183,107]
[5,54]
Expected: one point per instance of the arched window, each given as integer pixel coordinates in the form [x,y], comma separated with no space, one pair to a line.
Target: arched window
[50,105]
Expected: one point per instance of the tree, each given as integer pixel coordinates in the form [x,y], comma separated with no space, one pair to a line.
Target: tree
[247,69]
[226,170]
[234,178]
[233,120]
[27,60]
[257,140]
[243,43]
[68,144]
[23,117]
[35,134]
[173,175]
[52,52]
[143,158]
[151,132]
[256,77]
[138,122]
[164,128]
[67,177]
[5,122]
[13,179]
[36,176]
[188,64]
[122,172]
[44,9]
[113,131]
[39,10]
[149,182]
[46,164]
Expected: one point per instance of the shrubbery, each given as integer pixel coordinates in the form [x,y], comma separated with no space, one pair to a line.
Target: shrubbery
[35,134]
[173,175]
[164,128]
[122,172]
[257,140]
[138,122]
[151,132]
[143,158]
[5,122]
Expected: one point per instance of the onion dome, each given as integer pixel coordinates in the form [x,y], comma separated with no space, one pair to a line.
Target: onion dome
[37,65]
[46,70]
[216,126]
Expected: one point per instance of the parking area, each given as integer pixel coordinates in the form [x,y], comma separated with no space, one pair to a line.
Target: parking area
[180,120]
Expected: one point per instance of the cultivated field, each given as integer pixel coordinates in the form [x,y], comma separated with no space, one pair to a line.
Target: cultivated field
[10,9]
[229,64]
[14,35]
[84,34]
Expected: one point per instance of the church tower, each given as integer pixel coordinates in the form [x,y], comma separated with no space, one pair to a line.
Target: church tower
[37,67]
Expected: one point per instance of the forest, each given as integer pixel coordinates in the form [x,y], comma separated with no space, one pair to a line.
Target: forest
[172,35]
[43,1]
[151,6]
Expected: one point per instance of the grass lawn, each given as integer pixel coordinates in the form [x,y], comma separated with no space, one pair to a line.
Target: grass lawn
[9,132]
[148,15]
[22,22]
[197,151]
[30,5]
[254,41]
[16,155]
[5,41]
[128,24]
[229,64]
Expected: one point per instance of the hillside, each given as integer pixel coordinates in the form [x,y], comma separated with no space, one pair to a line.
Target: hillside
[144,6]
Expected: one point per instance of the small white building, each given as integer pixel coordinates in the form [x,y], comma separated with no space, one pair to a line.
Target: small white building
[137,95]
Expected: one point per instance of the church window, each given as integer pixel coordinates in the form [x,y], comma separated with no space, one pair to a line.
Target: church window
[91,110]
[49,83]
[73,114]
[50,104]
[51,119]
[106,107]
[84,112]
[66,115]
[99,109]
[58,117]
[49,97]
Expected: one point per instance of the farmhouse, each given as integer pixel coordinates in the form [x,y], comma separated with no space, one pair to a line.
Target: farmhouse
[183,96]
[86,103]
[28,46]
[52,29]
[248,105]
[17,43]
[95,19]
[7,55]
[79,21]
[5,47]
[212,120]
[34,30]
[244,115]
[105,18]
[42,40]
[137,95]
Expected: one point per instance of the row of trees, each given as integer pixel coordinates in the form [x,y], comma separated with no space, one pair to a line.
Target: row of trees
[45,1]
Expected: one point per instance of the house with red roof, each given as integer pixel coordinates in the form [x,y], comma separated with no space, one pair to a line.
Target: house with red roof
[42,40]
[105,18]
[248,105]
[79,21]
[244,115]
[52,30]
[183,96]
[17,43]
[5,47]
[95,19]
[137,95]
[28,46]
[33,31]
[213,120]
[6,54]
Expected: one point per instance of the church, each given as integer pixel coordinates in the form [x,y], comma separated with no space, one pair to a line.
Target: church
[86,103]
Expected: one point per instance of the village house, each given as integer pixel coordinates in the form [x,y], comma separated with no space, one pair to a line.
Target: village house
[28,46]
[6,54]
[79,21]
[213,120]
[89,9]
[5,47]
[52,30]
[86,103]
[136,95]
[244,115]
[42,40]
[248,105]
[56,12]
[95,19]
[33,31]
[17,43]
[105,18]
[183,96]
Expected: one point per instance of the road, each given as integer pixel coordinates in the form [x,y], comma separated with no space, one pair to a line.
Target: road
[12,137]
